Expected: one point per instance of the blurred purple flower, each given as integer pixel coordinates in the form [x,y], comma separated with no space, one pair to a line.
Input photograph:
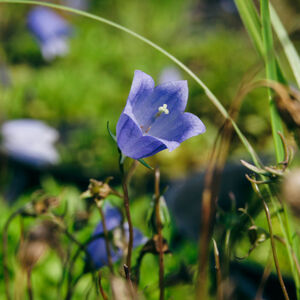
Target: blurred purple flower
[97,248]
[30,142]
[51,31]
[154,118]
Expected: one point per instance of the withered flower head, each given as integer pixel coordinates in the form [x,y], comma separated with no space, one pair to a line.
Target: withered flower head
[36,243]
[45,204]
[97,189]
[291,191]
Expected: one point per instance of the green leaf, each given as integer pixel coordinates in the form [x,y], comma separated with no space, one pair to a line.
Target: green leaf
[271,73]
[145,164]
[110,133]
[251,22]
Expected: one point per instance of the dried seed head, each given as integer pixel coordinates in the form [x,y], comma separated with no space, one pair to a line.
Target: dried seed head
[36,243]
[291,191]
[99,189]
[44,205]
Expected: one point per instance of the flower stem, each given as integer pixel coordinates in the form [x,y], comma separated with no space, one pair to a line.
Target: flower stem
[29,285]
[218,271]
[104,296]
[106,238]
[128,216]
[159,232]
[125,181]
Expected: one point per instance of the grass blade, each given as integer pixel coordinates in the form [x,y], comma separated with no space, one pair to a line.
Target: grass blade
[288,47]
[271,73]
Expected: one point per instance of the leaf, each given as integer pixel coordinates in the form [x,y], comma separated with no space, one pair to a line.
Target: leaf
[254,168]
[145,164]
[110,133]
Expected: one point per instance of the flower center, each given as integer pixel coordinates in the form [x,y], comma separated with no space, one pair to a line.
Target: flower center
[161,110]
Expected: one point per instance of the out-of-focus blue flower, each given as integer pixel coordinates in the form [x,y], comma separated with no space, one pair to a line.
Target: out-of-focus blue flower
[30,142]
[154,118]
[169,74]
[97,248]
[51,31]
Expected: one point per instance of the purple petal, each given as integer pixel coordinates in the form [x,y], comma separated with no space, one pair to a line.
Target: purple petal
[98,254]
[174,94]
[141,87]
[174,128]
[131,141]
[138,238]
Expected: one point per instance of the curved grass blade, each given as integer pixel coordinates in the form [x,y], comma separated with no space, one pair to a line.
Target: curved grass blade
[288,47]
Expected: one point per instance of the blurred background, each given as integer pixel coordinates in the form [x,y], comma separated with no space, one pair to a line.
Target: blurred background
[63,77]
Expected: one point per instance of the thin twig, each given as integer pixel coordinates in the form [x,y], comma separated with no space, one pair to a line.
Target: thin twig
[281,240]
[130,226]
[125,181]
[218,270]
[209,204]
[104,296]
[29,285]
[159,232]
[127,276]
[266,208]
[106,238]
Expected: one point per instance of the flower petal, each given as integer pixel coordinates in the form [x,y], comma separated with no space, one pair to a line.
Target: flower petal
[138,237]
[131,141]
[98,254]
[141,87]
[173,94]
[175,128]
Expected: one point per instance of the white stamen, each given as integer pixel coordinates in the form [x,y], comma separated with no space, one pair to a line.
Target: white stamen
[163,109]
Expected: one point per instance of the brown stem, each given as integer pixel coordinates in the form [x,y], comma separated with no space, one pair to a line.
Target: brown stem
[159,232]
[106,238]
[281,240]
[286,296]
[125,182]
[104,296]
[128,216]
[127,276]
[209,205]
[218,270]
[29,285]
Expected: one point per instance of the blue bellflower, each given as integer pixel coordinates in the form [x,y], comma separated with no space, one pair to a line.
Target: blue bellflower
[97,248]
[51,31]
[154,118]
